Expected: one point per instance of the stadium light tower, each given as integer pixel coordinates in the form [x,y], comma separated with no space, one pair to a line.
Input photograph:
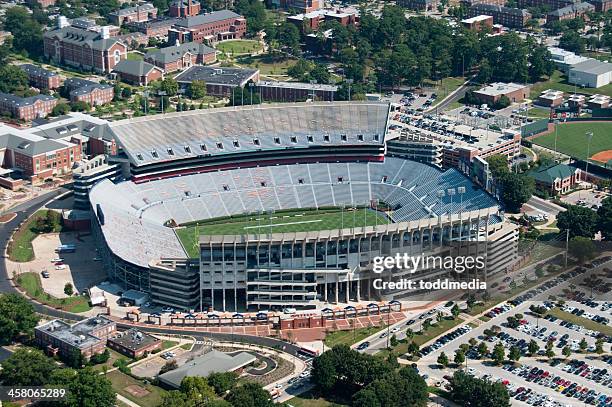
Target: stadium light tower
[589,135]
[451,192]
[312,83]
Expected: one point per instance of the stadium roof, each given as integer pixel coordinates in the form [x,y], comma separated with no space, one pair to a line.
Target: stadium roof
[180,135]
[217,75]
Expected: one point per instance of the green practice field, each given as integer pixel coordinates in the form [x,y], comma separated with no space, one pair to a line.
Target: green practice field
[302,220]
[571,138]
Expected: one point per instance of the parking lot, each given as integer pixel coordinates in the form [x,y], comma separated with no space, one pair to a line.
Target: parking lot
[582,378]
[587,198]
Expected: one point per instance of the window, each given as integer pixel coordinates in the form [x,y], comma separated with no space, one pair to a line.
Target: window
[340,179]
[170,151]
[360,137]
[263,183]
[276,140]
[376,137]
[220,146]
[154,154]
[236,144]
[256,141]
[343,137]
[187,149]
[310,139]
[203,147]
[293,139]
[139,156]
[384,178]
[326,138]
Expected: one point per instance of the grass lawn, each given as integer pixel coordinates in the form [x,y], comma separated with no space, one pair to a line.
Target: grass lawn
[266,64]
[303,220]
[114,355]
[134,56]
[447,86]
[435,330]
[558,81]
[120,381]
[571,138]
[310,399]
[30,283]
[350,337]
[20,248]
[575,319]
[166,344]
[239,46]
[538,113]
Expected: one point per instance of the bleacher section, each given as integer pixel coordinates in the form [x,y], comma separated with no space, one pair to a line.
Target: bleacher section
[216,132]
[135,213]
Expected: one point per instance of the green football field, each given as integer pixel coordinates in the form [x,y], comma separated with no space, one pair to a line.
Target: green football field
[303,220]
[572,139]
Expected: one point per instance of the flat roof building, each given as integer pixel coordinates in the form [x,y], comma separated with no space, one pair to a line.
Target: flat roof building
[565,59]
[134,343]
[550,98]
[220,81]
[491,94]
[477,23]
[591,73]
[295,91]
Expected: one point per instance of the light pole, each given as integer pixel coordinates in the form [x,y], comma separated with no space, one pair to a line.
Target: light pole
[180,92]
[161,94]
[312,83]
[251,86]
[556,132]
[441,195]
[146,95]
[349,81]
[589,135]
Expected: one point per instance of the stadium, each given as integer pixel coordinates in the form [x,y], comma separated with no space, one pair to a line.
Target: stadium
[276,206]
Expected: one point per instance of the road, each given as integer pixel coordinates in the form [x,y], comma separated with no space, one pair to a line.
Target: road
[458,94]
[544,206]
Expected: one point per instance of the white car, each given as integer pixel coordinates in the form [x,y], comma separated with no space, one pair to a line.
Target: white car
[61,267]
[57,260]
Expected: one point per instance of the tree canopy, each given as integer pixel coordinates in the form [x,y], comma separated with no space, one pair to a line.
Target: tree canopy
[470,391]
[580,221]
[17,317]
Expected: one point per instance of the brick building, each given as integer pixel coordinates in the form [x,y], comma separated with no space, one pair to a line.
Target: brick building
[422,5]
[138,73]
[478,23]
[551,4]
[157,28]
[302,6]
[314,19]
[506,16]
[601,6]
[140,13]
[184,8]
[42,3]
[88,337]
[92,93]
[134,343]
[570,12]
[84,49]
[492,93]
[470,3]
[550,98]
[28,108]
[212,27]
[182,56]
[556,179]
[41,78]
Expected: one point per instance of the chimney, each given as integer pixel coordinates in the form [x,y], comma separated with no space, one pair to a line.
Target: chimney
[188,7]
[105,32]
[62,22]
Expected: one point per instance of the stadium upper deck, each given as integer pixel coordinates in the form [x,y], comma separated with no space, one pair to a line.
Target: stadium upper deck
[182,142]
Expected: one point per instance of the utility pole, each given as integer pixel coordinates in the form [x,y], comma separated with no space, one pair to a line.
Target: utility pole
[349,81]
[566,245]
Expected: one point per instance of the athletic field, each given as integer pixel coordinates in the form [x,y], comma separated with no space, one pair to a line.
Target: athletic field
[304,220]
[572,140]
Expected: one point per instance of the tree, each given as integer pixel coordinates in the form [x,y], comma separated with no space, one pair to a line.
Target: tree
[80,106]
[512,322]
[86,388]
[169,85]
[197,89]
[413,348]
[604,221]
[60,109]
[467,390]
[126,93]
[403,388]
[516,190]
[533,347]
[582,248]
[17,317]
[572,41]
[514,354]
[499,353]
[583,345]
[75,359]
[197,389]
[393,342]
[68,290]
[540,63]
[26,32]
[250,395]
[502,102]
[443,360]
[168,366]
[550,353]
[12,79]
[289,38]
[567,351]
[222,381]
[455,311]
[498,165]
[459,357]
[98,358]
[483,349]
[26,367]
[599,346]
[173,398]
[580,221]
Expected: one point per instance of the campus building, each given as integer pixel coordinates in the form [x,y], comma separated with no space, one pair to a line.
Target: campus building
[84,49]
[295,91]
[181,56]
[137,14]
[311,21]
[92,93]
[219,81]
[208,28]
[138,73]
[26,108]
[570,12]
[506,16]
[422,5]
[491,93]
[156,28]
[86,173]
[591,73]
[478,23]
[134,343]
[184,8]
[87,337]
[556,179]
[41,78]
